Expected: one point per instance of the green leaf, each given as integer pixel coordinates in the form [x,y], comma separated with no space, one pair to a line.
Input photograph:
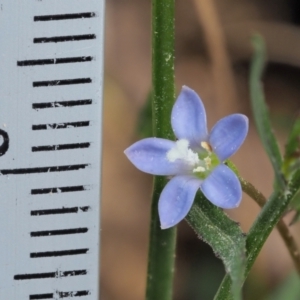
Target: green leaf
[289,289]
[260,110]
[292,163]
[295,204]
[293,144]
[225,237]
[292,151]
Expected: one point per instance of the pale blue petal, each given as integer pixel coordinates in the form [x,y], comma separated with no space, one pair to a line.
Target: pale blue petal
[222,188]
[189,118]
[150,156]
[176,200]
[228,135]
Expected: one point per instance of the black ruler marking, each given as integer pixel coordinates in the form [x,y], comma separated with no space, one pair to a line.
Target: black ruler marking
[58,232]
[60,125]
[43,169]
[59,253]
[67,38]
[41,296]
[54,104]
[64,17]
[63,210]
[60,294]
[60,147]
[61,82]
[63,189]
[53,61]
[57,274]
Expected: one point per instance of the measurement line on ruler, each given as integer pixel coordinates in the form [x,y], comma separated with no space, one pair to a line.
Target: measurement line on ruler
[60,125]
[59,253]
[53,61]
[59,294]
[57,274]
[42,105]
[66,38]
[64,17]
[61,82]
[64,189]
[60,147]
[56,211]
[41,296]
[58,232]
[43,169]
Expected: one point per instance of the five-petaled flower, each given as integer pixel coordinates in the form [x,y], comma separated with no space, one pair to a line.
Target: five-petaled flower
[195,160]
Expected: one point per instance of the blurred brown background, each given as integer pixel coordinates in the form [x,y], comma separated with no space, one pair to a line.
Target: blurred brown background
[212,56]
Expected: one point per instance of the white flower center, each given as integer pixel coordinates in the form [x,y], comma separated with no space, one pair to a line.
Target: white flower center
[182,151]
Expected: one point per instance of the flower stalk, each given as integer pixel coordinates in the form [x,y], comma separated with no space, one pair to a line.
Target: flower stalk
[267,219]
[282,228]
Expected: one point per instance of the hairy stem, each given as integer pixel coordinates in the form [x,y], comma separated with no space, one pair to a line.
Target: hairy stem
[283,230]
[266,220]
[162,242]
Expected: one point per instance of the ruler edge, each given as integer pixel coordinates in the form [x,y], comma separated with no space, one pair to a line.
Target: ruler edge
[100,167]
[100,96]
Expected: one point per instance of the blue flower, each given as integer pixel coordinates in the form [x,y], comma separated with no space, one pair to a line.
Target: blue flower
[195,160]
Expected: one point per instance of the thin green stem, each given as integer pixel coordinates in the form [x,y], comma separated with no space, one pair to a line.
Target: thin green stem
[283,230]
[162,242]
[261,229]
[251,191]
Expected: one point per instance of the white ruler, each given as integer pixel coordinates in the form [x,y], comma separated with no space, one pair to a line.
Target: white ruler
[51,61]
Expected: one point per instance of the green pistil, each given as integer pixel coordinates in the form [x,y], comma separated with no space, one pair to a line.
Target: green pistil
[210,161]
[214,160]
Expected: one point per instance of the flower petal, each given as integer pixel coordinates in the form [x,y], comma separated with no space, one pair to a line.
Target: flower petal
[189,118]
[176,199]
[150,156]
[228,134]
[222,188]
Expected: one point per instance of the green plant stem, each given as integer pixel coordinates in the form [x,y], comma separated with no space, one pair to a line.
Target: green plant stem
[283,230]
[261,229]
[162,242]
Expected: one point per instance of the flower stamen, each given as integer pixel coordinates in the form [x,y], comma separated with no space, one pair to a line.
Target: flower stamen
[199,169]
[207,161]
[206,146]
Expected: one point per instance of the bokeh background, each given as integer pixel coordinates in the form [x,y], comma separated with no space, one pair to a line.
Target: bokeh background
[213,52]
